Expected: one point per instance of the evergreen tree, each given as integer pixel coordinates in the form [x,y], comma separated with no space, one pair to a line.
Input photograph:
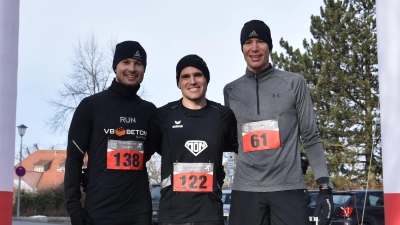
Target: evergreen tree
[340,66]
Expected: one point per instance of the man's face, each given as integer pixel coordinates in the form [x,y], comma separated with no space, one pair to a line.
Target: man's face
[193,84]
[129,72]
[256,54]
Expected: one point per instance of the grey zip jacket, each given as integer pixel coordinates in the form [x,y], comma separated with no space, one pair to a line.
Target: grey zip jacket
[283,97]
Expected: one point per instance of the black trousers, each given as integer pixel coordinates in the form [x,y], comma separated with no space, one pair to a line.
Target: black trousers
[269,208]
[140,219]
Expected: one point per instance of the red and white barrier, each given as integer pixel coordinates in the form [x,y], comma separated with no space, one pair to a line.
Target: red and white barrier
[9,30]
[388,25]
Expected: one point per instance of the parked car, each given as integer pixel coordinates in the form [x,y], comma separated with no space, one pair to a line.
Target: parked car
[155,201]
[226,200]
[349,207]
[311,196]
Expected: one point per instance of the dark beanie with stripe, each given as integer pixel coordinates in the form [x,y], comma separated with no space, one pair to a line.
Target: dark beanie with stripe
[256,29]
[194,61]
[129,49]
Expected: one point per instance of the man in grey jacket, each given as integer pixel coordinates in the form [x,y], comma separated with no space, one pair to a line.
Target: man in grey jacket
[274,110]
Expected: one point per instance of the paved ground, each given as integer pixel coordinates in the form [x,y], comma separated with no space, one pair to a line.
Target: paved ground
[26,222]
[40,220]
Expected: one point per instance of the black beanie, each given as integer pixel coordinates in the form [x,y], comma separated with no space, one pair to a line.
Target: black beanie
[129,49]
[256,29]
[194,61]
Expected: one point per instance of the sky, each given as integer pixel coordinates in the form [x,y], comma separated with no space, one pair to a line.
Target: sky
[168,30]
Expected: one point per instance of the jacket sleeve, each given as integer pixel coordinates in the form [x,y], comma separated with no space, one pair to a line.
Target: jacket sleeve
[226,96]
[230,131]
[78,143]
[309,134]
[153,139]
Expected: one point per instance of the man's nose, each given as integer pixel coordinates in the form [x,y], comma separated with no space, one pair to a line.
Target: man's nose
[132,67]
[254,46]
[192,79]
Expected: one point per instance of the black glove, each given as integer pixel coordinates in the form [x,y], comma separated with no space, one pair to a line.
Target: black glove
[80,217]
[324,207]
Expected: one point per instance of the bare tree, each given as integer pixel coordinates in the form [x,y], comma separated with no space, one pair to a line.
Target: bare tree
[90,73]
[27,151]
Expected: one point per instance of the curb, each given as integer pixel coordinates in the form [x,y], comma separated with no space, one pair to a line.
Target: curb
[44,219]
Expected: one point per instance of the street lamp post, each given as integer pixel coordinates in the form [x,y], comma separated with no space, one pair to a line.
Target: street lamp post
[21,131]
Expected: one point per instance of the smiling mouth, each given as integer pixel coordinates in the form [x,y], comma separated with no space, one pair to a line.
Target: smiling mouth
[131,76]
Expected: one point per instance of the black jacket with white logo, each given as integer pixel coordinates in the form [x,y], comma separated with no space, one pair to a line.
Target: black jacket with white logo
[115,114]
[182,135]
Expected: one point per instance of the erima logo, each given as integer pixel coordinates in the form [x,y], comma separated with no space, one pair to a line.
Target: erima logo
[120,131]
[127,120]
[196,147]
[137,54]
[177,124]
[253,34]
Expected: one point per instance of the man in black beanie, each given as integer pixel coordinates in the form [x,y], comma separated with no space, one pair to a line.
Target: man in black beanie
[191,134]
[274,111]
[110,127]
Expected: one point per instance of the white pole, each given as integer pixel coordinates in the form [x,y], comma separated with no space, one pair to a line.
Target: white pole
[388,27]
[9,31]
[19,181]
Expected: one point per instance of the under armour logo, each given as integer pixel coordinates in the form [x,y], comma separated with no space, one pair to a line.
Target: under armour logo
[276,95]
[178,122]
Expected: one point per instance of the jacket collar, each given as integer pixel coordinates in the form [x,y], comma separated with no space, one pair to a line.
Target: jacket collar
[264,73]
[122,90]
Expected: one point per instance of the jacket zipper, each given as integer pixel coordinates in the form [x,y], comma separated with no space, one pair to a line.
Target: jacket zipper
[258,101]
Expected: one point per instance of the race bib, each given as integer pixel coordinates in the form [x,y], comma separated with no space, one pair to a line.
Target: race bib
[261,135]
[124,155]
[193,177]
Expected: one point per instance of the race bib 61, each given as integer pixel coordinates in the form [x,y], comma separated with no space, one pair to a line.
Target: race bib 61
[260,135]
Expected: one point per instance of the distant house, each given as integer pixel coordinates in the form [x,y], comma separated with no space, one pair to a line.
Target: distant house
[45,169]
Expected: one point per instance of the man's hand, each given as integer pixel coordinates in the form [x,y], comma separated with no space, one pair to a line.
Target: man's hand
[324,206]
[81,217]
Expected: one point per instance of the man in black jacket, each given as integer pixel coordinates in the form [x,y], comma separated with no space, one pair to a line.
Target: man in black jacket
[111,127]
[191,134]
